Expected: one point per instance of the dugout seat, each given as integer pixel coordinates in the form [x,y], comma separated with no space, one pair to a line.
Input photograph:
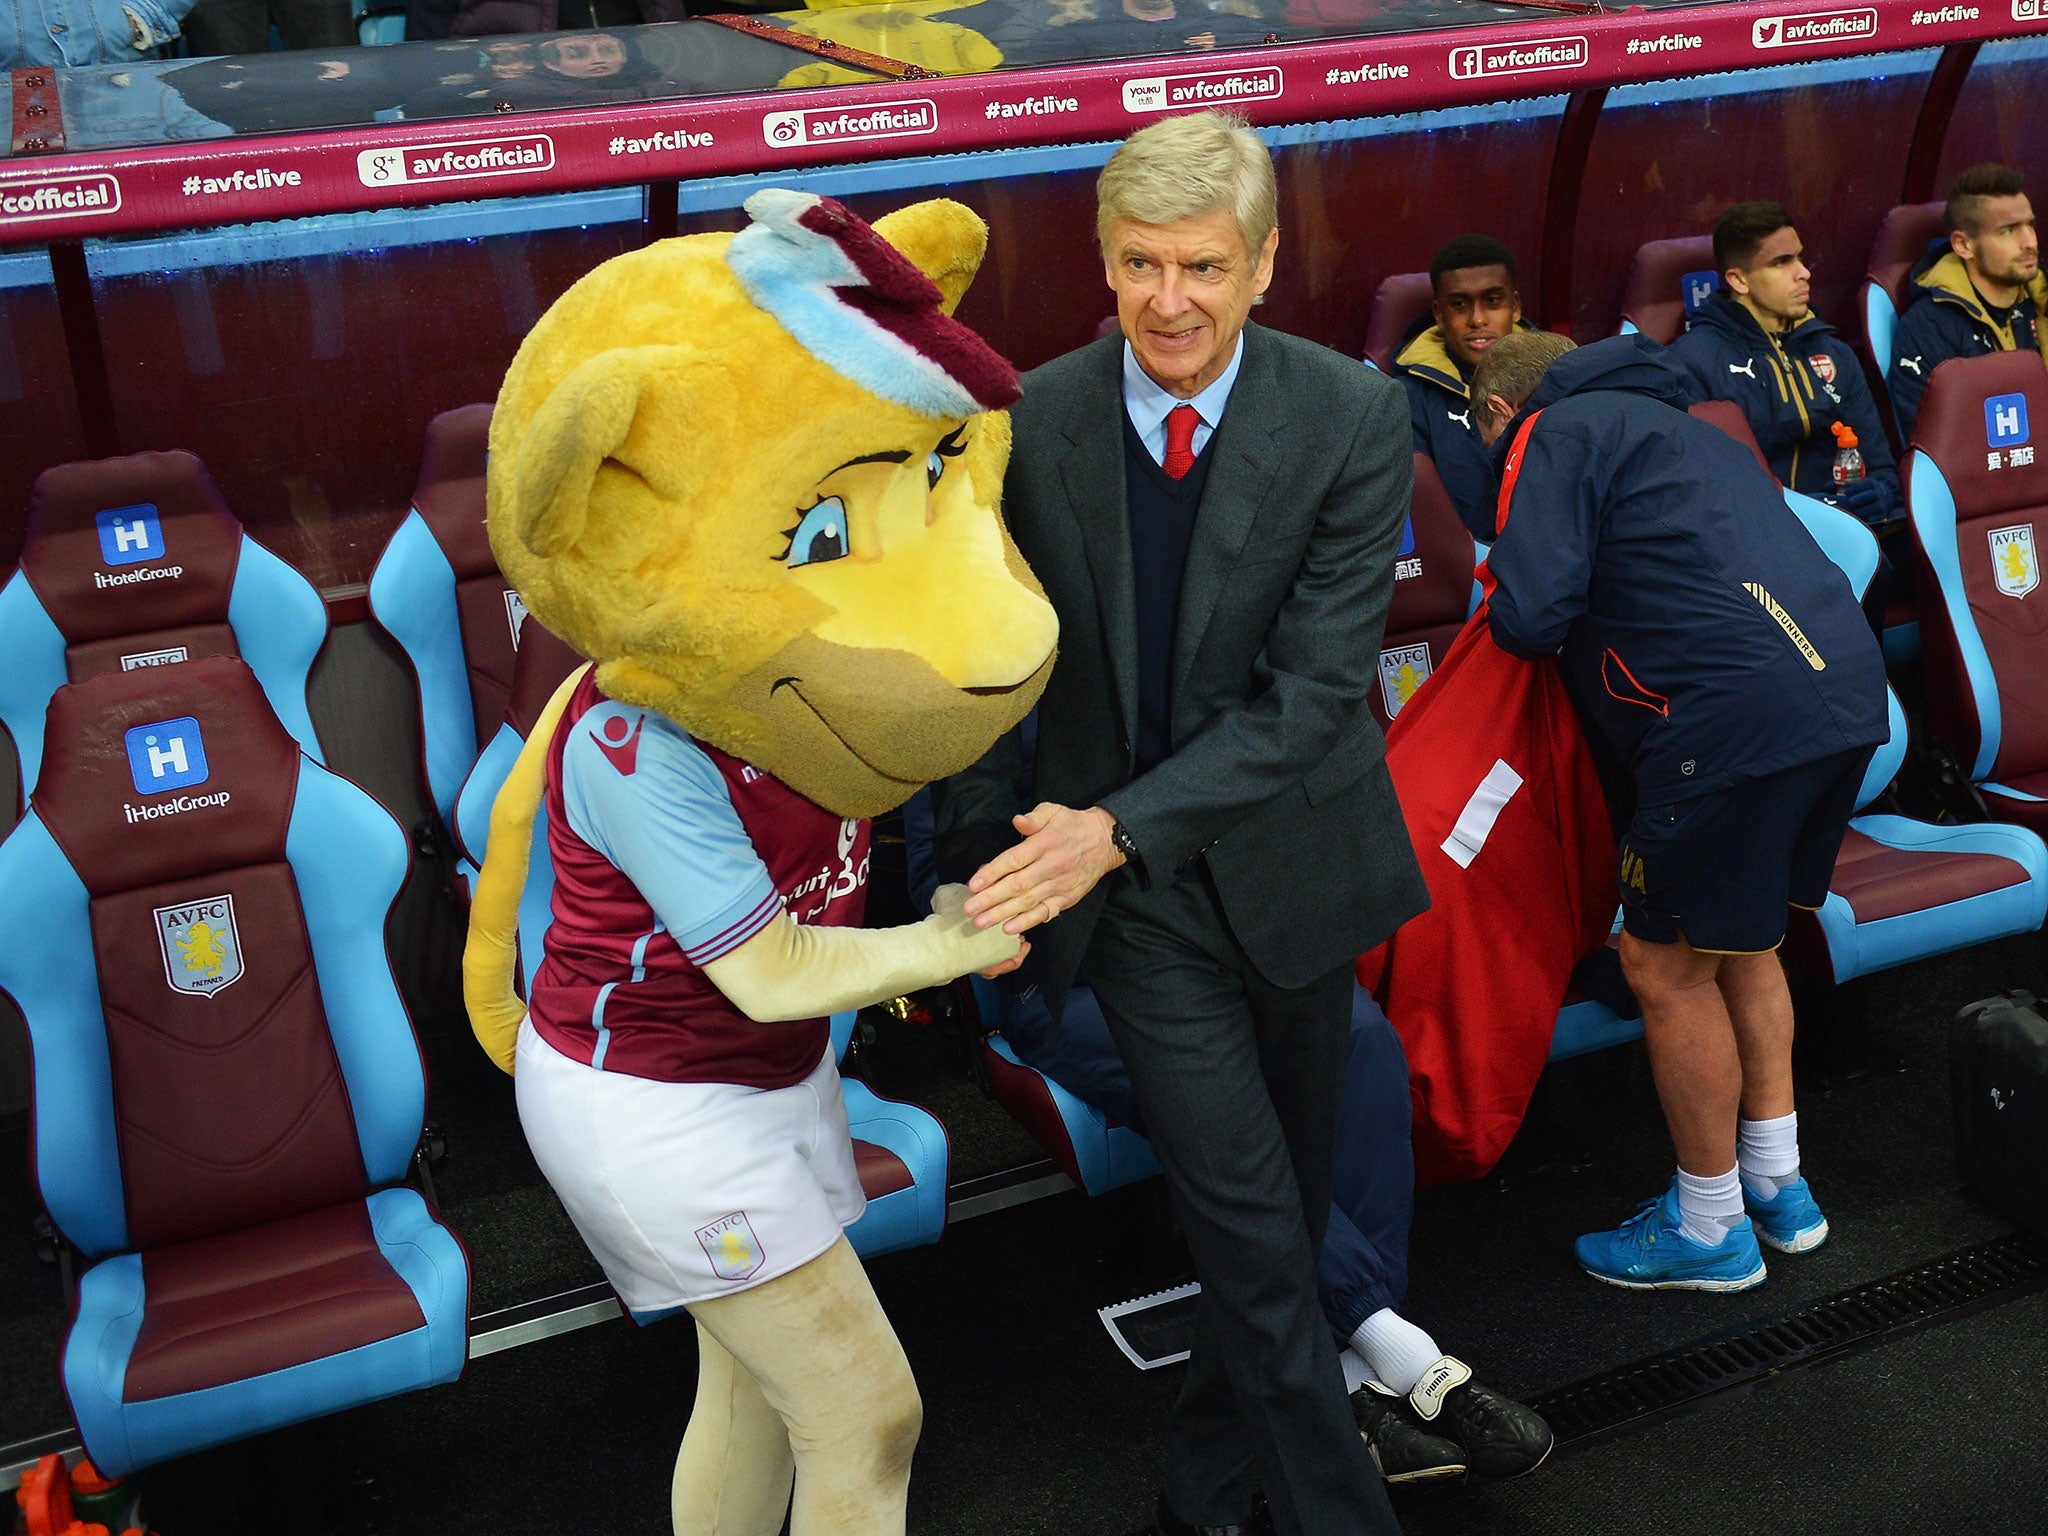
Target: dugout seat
[1976,489]
[1397,304]
[1667,281]
[1432,593]
[1903,889]
[900,1149]
[136,562]
[1902,239]
[437,592]
[227,1090]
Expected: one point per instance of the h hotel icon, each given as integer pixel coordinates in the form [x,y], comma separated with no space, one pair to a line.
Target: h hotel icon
[167,755]
[130,534]
[2005,421]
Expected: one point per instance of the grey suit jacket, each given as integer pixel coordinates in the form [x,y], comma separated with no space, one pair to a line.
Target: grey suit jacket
[1277,777]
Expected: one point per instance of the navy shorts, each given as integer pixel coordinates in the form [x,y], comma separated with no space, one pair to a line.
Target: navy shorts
[1720,870]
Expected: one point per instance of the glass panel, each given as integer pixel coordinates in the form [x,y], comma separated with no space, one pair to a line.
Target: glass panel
[38,408]
[1999,115]
[302,360]
[1829,141]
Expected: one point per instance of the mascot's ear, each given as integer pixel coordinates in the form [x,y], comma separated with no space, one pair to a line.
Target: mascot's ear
[581,424]
[943,239]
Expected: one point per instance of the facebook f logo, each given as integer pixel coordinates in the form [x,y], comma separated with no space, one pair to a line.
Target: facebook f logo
[2005,421]
[1698,287]
[167,755]
[130,534]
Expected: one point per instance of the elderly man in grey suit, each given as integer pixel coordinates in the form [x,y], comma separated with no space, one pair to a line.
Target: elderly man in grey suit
[1214,510]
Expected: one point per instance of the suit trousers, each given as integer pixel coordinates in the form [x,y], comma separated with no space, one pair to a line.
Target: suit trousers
[1239,1082]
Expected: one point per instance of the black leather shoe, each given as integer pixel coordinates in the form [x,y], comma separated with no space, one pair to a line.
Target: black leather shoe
[1501,1437]
[1403,1452]
[1166,1523]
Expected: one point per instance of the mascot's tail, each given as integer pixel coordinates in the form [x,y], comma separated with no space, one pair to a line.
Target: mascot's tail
[492,953]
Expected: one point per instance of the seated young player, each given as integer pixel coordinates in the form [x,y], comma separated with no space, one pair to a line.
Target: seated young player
[1476,304]
[1757,342]
[1723,662]
[1983,291]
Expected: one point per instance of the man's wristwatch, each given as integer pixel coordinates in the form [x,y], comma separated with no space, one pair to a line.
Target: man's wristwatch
[1124,843]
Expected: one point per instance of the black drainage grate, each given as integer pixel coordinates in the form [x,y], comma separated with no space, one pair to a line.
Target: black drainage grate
[1624,1398]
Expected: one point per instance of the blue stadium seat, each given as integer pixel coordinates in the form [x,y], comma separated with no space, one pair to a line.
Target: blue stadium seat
[1976,491]
[378,24]
[900,1149]
[1906,890]
[437,592]
[1090,1147]
[227,1090]
[136,562]
[1902,239]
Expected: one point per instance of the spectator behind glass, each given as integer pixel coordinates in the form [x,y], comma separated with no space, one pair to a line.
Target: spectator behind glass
[1982,291]
[243,26]
[1476,304]
[1757,342]
[69,34]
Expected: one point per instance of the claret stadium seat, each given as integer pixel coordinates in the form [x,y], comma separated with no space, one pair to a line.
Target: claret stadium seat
[1976,491]
[136,562]
[1668,280]
[1432,593]
[1902,239]
[1903,889]
[438,593]
[900,1149]
[1397,304]
[227,1090]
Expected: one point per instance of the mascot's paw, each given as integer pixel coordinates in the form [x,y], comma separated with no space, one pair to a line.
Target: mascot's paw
[980,949]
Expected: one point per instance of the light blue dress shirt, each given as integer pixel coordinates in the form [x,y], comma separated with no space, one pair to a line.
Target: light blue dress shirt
[1147,404]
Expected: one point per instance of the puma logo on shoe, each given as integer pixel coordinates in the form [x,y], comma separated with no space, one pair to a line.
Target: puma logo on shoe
[1748,368]
[1437,1381]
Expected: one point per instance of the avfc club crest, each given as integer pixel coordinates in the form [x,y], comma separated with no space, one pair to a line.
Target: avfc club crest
[2013,563]
[1823,367]
[729,1243]
[1402,670]
[201,945]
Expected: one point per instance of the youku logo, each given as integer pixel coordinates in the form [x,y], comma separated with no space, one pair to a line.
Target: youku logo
[57,197]
[456,160]
[1535,56]
[1812,28]
[829,125]
[1163,93]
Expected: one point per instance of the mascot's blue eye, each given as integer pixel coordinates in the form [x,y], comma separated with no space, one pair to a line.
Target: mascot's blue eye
[820,535]
[934,466]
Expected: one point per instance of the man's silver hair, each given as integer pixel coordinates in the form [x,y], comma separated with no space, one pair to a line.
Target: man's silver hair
[1184,167]
[1513,366]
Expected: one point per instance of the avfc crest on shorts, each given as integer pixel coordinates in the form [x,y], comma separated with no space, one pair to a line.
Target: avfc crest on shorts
[201,945]
[1823,367]
[2013,563]
[729,1243]
[1402,670]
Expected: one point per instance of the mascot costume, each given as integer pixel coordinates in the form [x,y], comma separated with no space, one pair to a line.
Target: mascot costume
[755,478]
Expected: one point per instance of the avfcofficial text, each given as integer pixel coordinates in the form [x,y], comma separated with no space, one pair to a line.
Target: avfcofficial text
[172,807]
[147,573]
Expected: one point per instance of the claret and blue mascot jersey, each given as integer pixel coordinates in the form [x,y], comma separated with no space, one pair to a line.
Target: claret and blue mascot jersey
[754,478]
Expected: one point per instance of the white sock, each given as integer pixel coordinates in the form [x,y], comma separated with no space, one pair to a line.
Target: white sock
[1394,1349]
[1708,1208]
[1767,1152]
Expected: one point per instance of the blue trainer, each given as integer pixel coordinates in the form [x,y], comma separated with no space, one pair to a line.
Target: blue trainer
[1789,1222]
[1649,1253]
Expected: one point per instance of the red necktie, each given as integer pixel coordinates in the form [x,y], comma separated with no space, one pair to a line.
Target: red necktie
[1181,422]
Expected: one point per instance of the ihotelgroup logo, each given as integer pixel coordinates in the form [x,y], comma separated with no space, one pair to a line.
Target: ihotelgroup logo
[1813,27]
[829,125]
[1535,56]
[456,160]
[1162,93]
[57,197]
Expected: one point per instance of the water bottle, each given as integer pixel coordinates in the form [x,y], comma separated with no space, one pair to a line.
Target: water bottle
[1848,456]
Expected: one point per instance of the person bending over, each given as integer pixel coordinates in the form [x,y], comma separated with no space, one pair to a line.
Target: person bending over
[1982,291]
[1721,658]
